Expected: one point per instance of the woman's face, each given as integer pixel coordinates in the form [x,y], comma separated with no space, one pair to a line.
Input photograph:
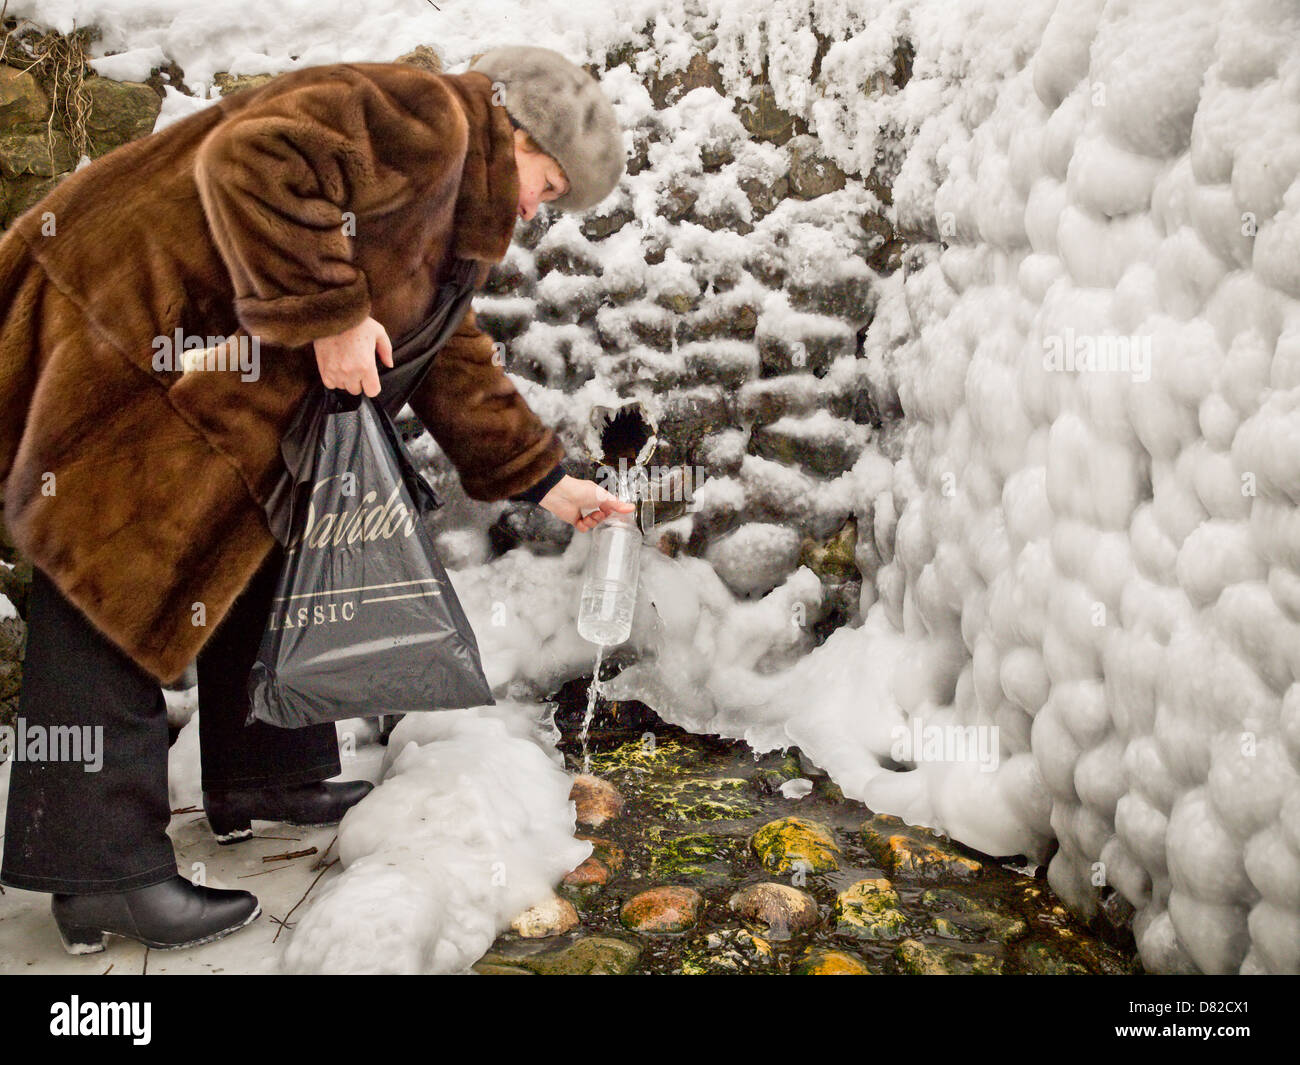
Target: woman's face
[541,178]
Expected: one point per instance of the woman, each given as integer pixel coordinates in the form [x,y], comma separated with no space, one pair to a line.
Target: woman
[315,217]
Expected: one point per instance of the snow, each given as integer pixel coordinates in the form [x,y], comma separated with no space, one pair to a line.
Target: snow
[1088,537]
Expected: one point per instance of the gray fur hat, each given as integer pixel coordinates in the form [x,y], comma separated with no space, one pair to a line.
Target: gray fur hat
[567,114]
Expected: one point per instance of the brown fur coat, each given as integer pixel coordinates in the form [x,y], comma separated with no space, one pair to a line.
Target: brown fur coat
[138,489]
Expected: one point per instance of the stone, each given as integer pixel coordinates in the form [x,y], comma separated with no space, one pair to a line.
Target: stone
[24,107]
[662,910]
[921,959]
[700,72]
[732,320]
[676,201]
[598,801]
[763,195]
[814,351]
[120,112]
[812,174]
[606,851]
[824,454]
[553,917]
[599,226]
[696,856]
[1045,959]
[689,415]
[233,83]
[715,155]
[729,951]
[964,914]
[902,850]
[423,57]
[818,961]
[851,297]
[592,873]
[490,969]
[869,910]
[590,956]
[38,154]
[792,843]
[764,120]
[764,401]
[782,911]
[834,559]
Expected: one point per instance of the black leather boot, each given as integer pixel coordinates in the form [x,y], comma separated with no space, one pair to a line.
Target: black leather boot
[231,813]
[164,916]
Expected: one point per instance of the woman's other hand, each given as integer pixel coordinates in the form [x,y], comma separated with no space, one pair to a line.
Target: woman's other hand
[571,497]
[347,360]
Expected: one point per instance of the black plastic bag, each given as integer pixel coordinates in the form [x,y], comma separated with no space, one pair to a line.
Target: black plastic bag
[364,620]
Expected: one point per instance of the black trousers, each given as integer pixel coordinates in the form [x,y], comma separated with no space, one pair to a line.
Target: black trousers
[77,832]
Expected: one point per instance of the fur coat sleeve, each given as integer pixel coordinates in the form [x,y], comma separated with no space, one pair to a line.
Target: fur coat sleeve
[289,184]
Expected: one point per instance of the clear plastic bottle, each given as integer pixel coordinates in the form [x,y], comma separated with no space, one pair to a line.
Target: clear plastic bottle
[610,580]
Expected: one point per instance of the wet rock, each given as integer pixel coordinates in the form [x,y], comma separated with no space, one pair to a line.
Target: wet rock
[702,799]
[963,914]
[812,174]
[768,779]
[764,120]
[24,107]
[553,917]
[1044,959]
[764,401]
[662,910]
[921,959]
[729,951]
[869,910]
[670,87]
[821,962]
[812,351]
[592,874]
[423,57]
[796,843]
[38,154]
[902,850]
[689,415]
[120,112]
[695,856]
[490,969]
[783,911]
[606,851]
[598,801]
[591,956]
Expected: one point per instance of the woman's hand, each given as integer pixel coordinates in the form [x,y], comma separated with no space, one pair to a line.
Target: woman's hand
[570,497]
[347,360]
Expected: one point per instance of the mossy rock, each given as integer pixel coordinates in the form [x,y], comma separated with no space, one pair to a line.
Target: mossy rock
[923,959]
[821,962]
[1045,959]
[905,851]
[637,756]
[869,910]
[120,112]
[792,843]
[702,799]
[592,956]
[694,856]
[964,915]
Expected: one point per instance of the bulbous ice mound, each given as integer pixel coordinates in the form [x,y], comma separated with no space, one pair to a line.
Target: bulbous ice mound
[1097,544]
